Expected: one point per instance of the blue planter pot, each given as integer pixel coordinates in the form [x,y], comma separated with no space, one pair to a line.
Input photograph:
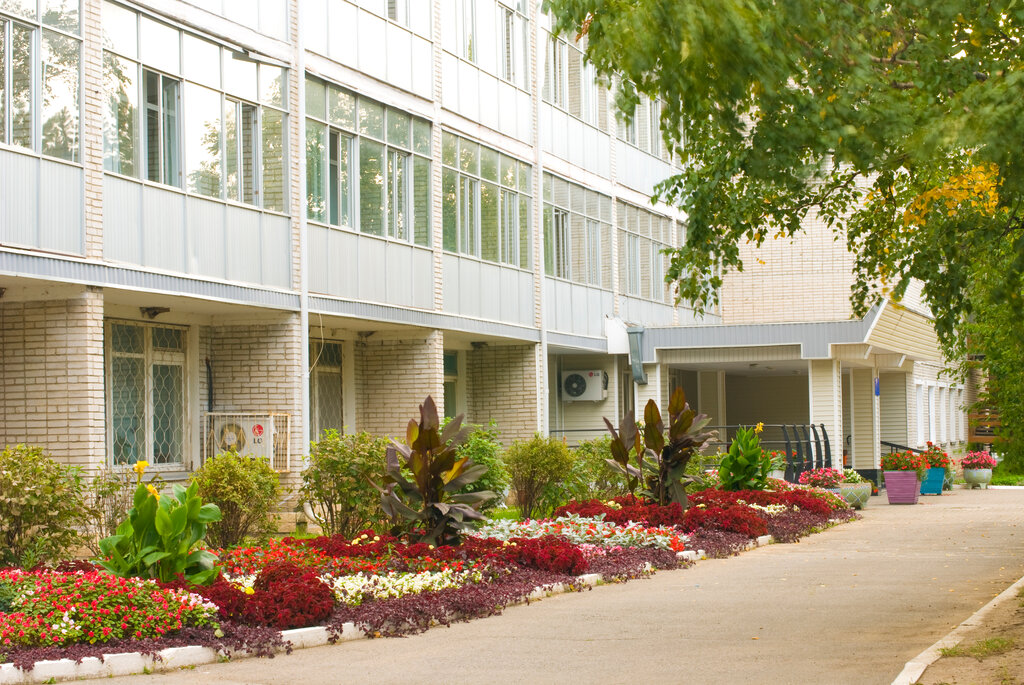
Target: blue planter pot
[932,483]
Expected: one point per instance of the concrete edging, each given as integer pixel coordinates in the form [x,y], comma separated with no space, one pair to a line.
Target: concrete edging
[915,668]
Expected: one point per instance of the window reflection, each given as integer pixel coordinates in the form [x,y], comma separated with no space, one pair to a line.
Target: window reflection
[60,96]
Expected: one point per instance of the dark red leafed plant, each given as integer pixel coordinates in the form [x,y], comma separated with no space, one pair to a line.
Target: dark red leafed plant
[550,554]
[629,509]
[738,519]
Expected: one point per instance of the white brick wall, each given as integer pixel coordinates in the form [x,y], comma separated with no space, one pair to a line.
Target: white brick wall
[393,377]
[51,372]
[502,387]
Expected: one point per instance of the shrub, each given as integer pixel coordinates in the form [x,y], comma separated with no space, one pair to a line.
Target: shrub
[109,498]
[287,596]
[591,477]
[736,519]
[336,486]
[550,554]
[482,447]
[537,466]
[41,501]
[245,489]
[746,466]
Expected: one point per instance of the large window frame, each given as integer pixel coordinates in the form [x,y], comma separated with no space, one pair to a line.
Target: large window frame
[326,388]
[577,233]
[486,202]
[41,80]
[187,132]
[644,238]
[361,155]
[161,428]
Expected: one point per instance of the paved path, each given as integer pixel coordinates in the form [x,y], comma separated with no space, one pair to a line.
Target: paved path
[849,605]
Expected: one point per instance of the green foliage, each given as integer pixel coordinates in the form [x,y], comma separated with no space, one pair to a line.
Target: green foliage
[538,467]
[590,477]
[162,538]
[7,594]
[848,111]
[245,489]
[337,487]
[483,447]
[41,503]
[110,496]
[660,463]
[746,466]
[432,499]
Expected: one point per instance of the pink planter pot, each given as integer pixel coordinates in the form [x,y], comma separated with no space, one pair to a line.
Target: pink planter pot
[902,487]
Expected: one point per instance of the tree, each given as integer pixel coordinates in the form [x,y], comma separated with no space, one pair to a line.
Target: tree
[897,122]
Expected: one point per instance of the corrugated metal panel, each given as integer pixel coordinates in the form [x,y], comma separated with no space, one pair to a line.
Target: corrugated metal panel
[61,208]
[451,283]
[729,354]
[469,290]
[578,342]
[163,234]
[893,407]
[906,332]
[526,300]
[422,278]
[398,284]
[208,254]
[277,253]
[122,220]
[320,266]
[243,245]
[103,275]
[19,188]
[371,257]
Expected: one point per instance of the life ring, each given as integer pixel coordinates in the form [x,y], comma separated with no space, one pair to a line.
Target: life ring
[231,438]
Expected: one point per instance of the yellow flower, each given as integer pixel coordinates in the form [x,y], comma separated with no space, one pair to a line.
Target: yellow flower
[759,427]
[153,491]
[249,591]
[140,467]
[364,536]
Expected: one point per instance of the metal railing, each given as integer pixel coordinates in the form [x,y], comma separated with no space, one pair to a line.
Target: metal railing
[896,447]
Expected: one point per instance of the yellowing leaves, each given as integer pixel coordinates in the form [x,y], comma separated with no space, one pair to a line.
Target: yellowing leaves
[976,189]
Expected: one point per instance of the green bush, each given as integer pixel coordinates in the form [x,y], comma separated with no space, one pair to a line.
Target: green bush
[746,466]
[591,476]
[539,468]
[109,497]
[246,489]
[41,504]
[336,486]
[482,447]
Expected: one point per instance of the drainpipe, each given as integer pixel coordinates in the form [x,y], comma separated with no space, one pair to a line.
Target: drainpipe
[636,360]
[300,68]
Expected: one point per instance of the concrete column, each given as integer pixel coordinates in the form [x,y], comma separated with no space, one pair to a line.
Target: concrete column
[711,396]
[824,383]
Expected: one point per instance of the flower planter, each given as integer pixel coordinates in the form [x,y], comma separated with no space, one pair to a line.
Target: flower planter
[932,483]
[902,487]
[857,495]
[978,477]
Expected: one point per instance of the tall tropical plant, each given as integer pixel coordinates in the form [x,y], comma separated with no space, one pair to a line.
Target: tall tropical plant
[660,459]
[431,500]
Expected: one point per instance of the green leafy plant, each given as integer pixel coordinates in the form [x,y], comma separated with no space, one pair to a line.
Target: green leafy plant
[110,495]
[431,499]
[851,476]
[41,503]
[661,462]
[905,461]
[745,466]
[590,477]
[162,538]
[538,467]
[337,487]
[246,490]
[484,448]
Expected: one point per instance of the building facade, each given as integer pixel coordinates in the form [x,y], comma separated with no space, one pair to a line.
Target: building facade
[237,224]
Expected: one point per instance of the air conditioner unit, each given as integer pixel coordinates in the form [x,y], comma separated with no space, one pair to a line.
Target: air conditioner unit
[247,435]
[584,386]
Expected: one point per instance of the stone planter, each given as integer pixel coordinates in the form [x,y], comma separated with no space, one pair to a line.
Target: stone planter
[932,483]
[978,477]
[857,495]
[902,487]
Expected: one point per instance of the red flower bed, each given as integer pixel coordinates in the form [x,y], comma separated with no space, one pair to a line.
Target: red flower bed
[631,509]
[736,519]
[549,554]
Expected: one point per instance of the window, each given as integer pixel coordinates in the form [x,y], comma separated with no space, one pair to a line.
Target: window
[485,202]
[465,29]
[398,10]
[643,236]
[146,406]
[367,165]
[932,428]
[657,272]
[920,413]
[212,120]
[555,73]
[40,69]
[451,384]
[326,405]
[577,235]
[514,46]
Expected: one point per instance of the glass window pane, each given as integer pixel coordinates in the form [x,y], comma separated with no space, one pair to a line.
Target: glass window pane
[168,339]
[127,409]
[449,149]
[160,47]
[121,90]
[342,108]
[274,196]
[489,163]
[273,85]
[489,240]
[524,232]
[316,153]
[397,194]
[21,86]
[203,140]
[61,14]
[449,209]
[371,187]
[507,172]
[248,136]
[469,156]
[126,339]
[327,385]
[120,30]
[202,61]
[231,150]
[421,200]
[316,99]
[240,76]
[421,136]
[60,96]
[371,119]
[169,127]
[21,8]
[398,128]
[168,410]
[469,220]
[340,179]
[525,178]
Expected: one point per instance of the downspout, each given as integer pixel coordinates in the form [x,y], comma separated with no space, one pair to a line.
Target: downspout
[300,68]
[543,391]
